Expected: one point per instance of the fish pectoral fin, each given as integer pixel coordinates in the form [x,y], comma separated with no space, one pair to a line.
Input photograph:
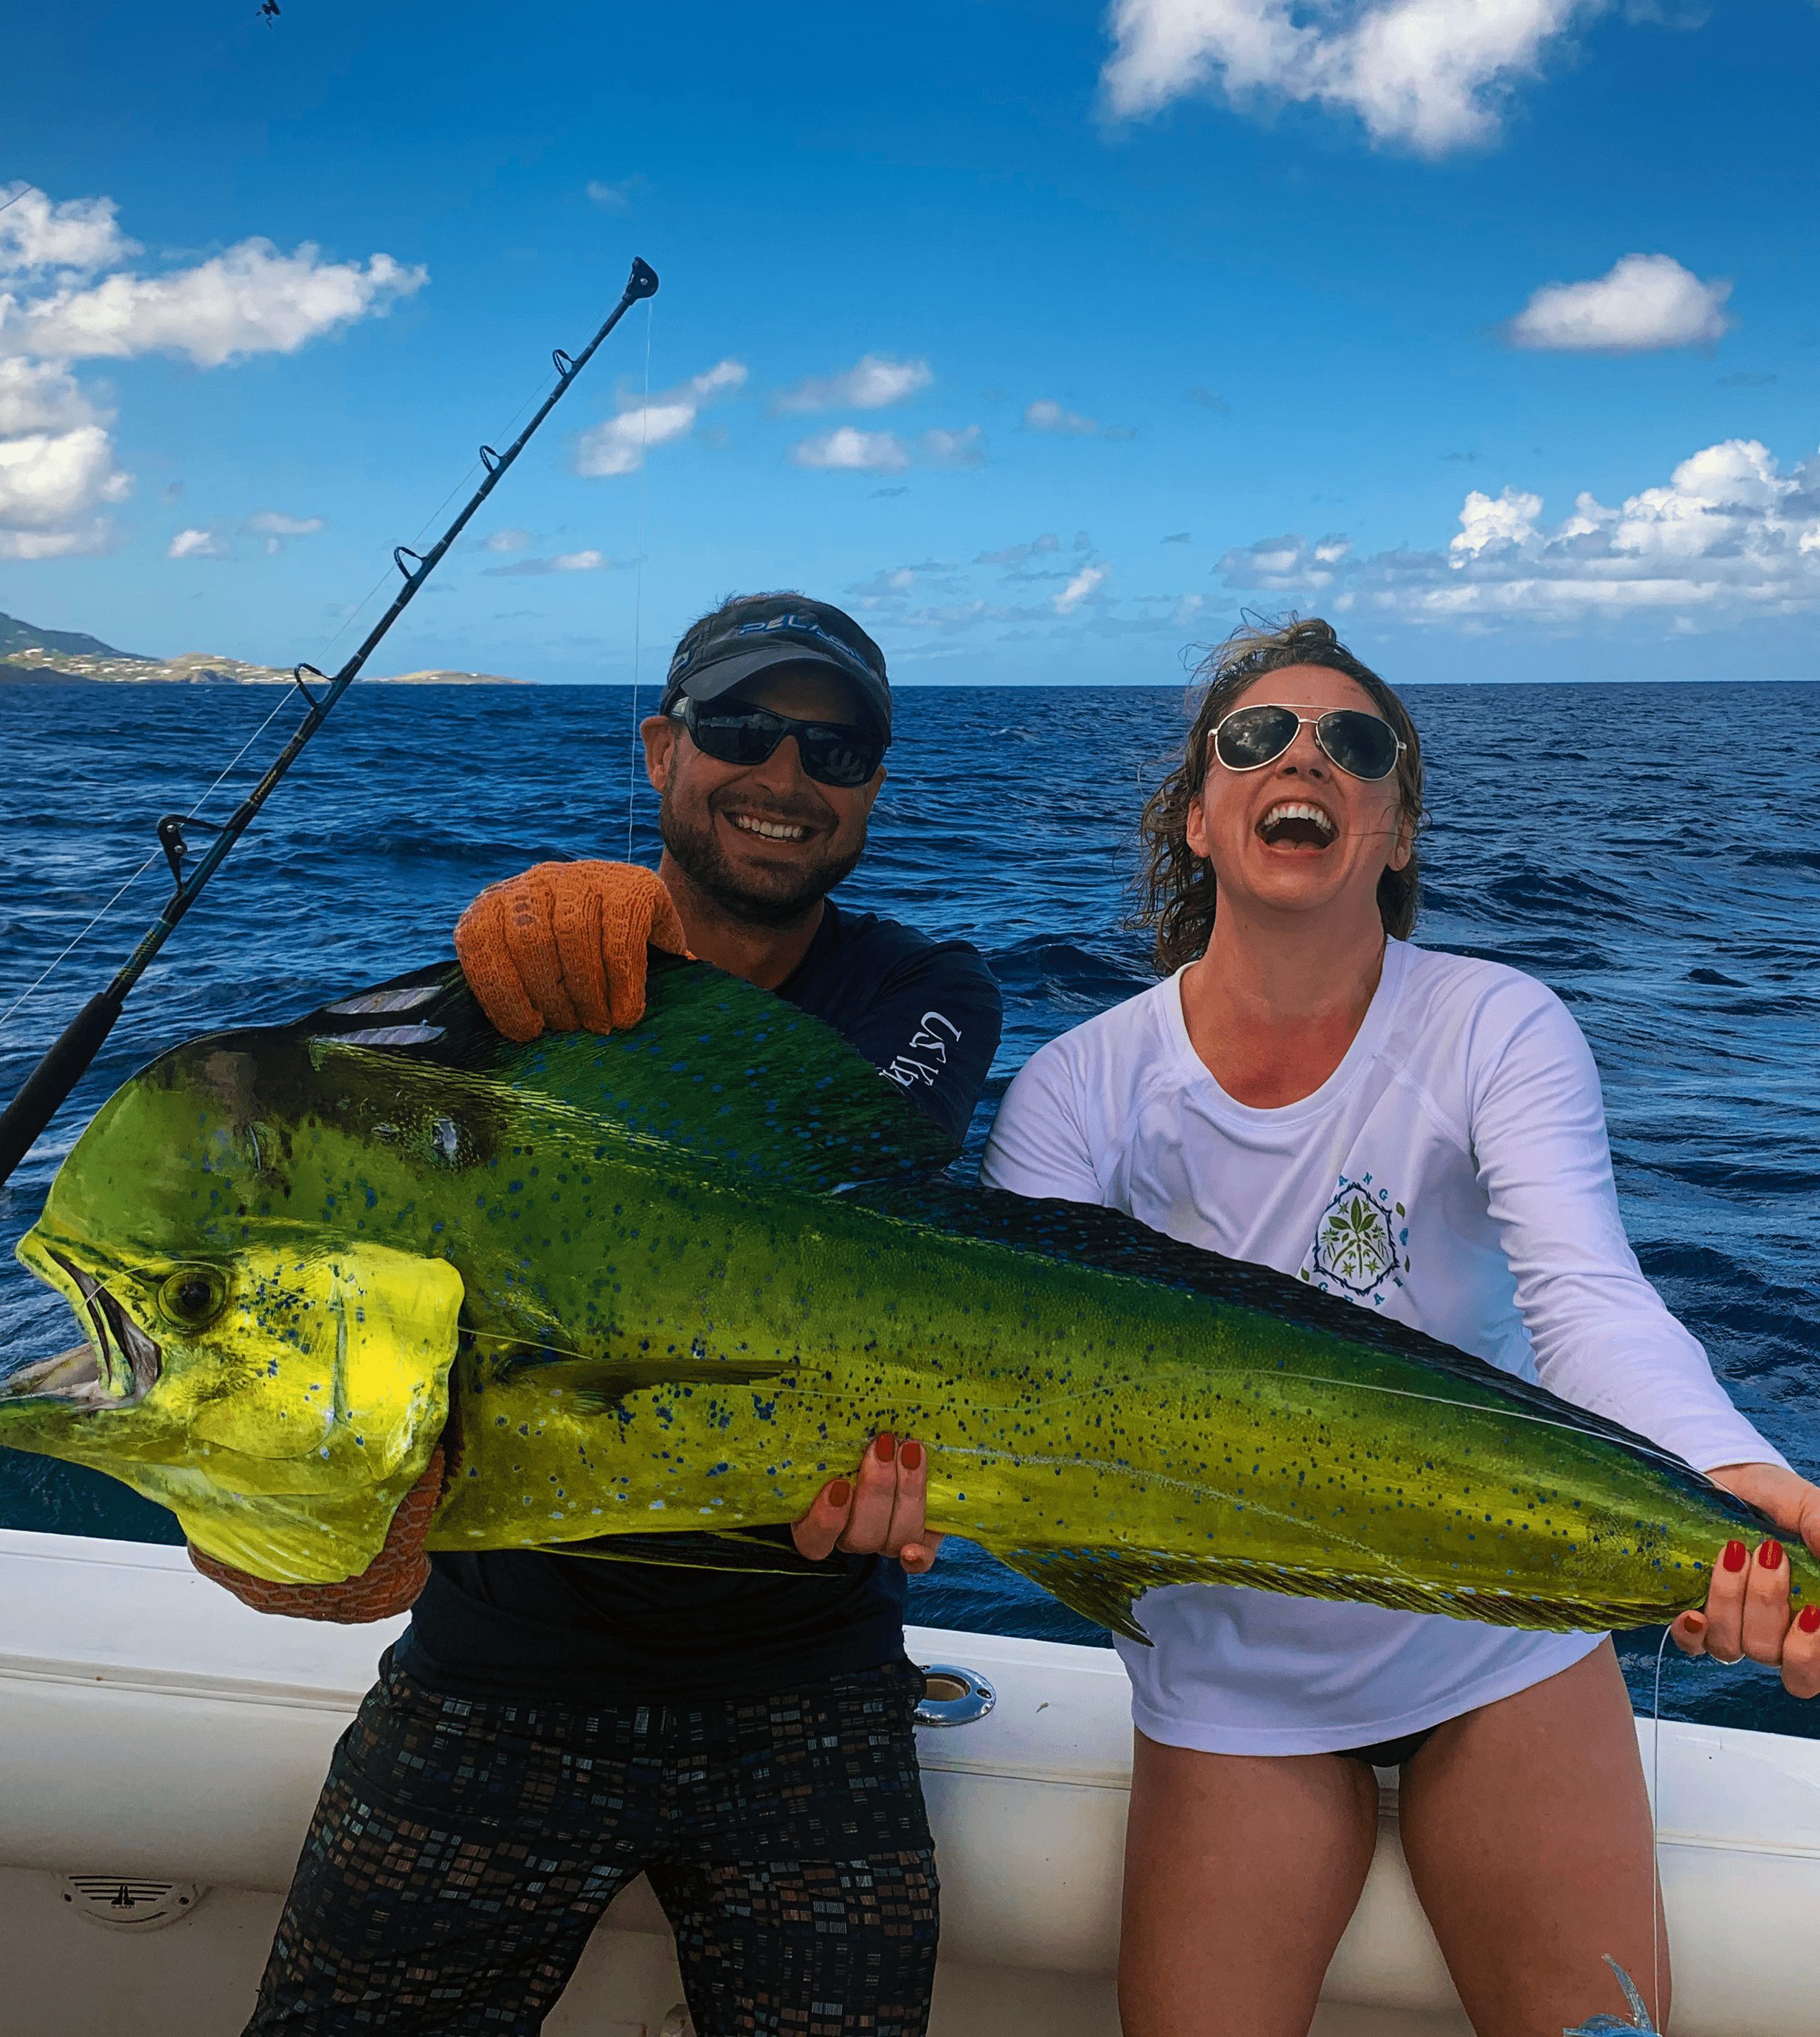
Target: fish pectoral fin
[735,1552]
[597,1385]
[1103,1585]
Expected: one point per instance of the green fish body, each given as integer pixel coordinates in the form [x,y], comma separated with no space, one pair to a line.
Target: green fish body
[677,1278]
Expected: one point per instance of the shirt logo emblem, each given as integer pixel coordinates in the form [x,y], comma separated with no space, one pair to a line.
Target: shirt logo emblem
[1361,1243]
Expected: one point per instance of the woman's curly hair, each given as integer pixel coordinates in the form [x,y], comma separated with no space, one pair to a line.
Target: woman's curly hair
[1177,891]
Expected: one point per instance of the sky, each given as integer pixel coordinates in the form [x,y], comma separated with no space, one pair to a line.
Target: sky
[1047,338]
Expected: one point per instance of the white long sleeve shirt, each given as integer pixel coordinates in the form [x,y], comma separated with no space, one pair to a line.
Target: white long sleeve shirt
[1453,1172]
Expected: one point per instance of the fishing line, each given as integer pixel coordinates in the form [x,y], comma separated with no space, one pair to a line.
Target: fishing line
[348,622]
[638,577]
[58,960]
[467,473]
[1656,1837]
[51,1083]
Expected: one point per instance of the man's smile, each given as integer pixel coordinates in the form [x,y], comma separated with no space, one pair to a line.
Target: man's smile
[768,830]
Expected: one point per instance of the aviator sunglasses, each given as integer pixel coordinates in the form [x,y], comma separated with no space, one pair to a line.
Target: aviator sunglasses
[832,754]
[1363,745]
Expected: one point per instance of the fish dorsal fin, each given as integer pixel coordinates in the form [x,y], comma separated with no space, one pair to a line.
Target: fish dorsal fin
[1084,1234]
[716,1066]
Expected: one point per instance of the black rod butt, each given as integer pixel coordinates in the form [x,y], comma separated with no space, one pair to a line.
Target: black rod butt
[49,1084]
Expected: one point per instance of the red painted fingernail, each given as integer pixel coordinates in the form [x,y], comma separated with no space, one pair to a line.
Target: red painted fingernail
[911,1456]
[839,1492]
[1736,1554]
[1695,1622]
[1809,1623]
[1770,1555]
[883,1448]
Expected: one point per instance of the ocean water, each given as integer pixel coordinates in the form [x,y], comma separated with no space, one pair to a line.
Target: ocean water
[1648,851]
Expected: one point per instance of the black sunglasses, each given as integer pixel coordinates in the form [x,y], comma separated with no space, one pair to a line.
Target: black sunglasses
[1363,745]
[832,754]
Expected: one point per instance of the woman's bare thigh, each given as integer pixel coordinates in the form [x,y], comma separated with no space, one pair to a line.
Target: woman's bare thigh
[1241,1872]
[1527,1827]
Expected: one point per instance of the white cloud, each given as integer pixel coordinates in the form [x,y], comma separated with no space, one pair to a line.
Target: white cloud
[1078,589]
[274,526]
[52,479]
[1487,524]
[78,236]
[57,467]
[251,299]
[614,198]
[873,381]
[58,470]
[1728,535]
[1044,415]
[848,450]
[1018,555]
[1277,564]
[36,395]
[892,583]
[195,544]
[508,540]
[564,562]
[965,447]
[619,444]
[1645,302]
[1429,74]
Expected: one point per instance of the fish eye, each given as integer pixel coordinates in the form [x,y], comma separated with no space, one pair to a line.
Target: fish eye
[193,1297]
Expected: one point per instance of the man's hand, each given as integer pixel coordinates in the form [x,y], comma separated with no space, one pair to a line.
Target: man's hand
[877,1512]
[1747,1610]
[563,946]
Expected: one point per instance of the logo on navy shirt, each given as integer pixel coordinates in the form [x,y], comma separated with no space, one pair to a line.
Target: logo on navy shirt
[931,1041]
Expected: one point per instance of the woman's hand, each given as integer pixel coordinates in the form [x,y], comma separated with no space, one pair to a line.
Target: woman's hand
[1746,1610]
[877,1512]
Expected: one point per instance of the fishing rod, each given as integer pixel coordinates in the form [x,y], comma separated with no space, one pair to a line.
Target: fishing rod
[49,1084]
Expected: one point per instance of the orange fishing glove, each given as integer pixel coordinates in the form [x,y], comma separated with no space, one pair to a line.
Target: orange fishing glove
[563,946]
[389,1584]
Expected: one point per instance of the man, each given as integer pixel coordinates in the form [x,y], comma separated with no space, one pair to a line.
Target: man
[550,1725]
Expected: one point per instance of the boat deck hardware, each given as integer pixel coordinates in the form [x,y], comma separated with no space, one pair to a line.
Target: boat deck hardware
[122,1903]
[952,1696]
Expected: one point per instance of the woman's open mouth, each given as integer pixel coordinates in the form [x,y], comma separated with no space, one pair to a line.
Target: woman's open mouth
[1297,824]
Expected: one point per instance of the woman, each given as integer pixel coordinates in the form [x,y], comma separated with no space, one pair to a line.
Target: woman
[1302,1065]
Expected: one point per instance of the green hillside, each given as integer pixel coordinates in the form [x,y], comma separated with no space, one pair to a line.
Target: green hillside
[17,636]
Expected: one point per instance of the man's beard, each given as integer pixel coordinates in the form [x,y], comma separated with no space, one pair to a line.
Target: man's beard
[700,856]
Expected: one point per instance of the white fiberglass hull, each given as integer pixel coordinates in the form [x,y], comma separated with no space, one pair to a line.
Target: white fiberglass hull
[150,1726]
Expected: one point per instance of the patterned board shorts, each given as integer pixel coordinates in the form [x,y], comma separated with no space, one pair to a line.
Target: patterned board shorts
[464,1848]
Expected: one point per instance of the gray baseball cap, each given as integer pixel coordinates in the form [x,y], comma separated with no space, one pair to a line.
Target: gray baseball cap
[743,638]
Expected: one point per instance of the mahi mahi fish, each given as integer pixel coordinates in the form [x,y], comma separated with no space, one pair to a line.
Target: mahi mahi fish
[676,1278]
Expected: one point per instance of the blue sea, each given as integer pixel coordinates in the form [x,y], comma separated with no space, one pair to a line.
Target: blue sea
[1649,852]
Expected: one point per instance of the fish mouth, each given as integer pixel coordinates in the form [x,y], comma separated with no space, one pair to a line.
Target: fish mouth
[116,1368]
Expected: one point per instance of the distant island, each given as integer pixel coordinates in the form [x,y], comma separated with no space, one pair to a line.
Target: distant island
[29,653]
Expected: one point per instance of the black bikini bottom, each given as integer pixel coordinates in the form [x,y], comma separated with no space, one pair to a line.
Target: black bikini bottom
[1385,1753]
